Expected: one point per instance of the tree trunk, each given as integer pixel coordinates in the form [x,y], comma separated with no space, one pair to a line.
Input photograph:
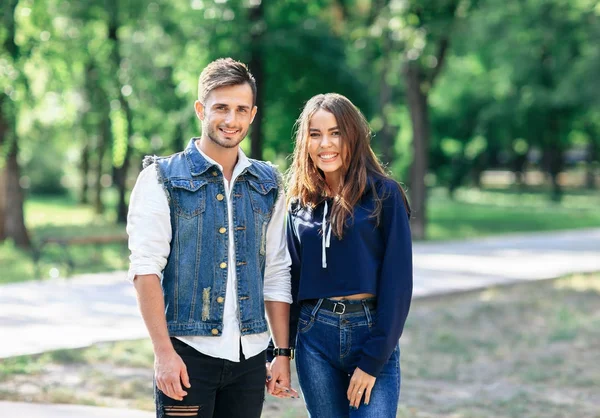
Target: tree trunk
[14,221]
[257,70]
[3,132]
[85,171]
[419,116]
[12,218]
[553,153]
[592,160]
[120,173]
[386,134]
[554,165]
[98,127]
[519,162]
[103,139]
[120,177]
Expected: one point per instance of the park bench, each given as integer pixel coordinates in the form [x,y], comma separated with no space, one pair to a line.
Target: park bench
[66,242]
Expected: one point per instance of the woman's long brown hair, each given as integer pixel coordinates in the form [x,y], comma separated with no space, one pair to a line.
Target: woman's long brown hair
[307,182]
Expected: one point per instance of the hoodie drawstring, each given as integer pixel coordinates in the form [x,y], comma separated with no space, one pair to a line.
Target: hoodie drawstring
[326,236]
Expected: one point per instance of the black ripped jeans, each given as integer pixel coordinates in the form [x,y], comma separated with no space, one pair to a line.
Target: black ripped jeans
[220,388]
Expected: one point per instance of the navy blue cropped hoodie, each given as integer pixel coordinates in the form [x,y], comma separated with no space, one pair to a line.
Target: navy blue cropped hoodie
[370,258]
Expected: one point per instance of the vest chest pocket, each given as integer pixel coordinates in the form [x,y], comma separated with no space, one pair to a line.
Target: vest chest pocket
[189,197]
[262,196]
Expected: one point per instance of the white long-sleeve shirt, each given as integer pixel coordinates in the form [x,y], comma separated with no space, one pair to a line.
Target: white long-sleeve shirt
[149,229]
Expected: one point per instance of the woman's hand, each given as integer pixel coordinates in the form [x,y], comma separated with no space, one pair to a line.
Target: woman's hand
[361,385]
[279,387]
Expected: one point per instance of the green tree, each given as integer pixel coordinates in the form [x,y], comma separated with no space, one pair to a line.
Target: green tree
[13,88]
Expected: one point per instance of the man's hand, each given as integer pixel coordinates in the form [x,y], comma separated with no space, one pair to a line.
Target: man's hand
[278,378]
[171,372]
[361,385]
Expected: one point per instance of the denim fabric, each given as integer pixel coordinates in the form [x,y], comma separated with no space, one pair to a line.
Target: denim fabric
[220,388]
[328,348]
[195,277]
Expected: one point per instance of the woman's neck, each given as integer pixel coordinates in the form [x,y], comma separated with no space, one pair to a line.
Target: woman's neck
[332,181]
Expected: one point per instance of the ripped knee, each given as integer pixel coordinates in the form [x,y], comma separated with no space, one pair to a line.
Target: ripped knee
[181,411]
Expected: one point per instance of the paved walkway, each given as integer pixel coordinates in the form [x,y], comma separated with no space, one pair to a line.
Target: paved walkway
[38,410]
[47,315]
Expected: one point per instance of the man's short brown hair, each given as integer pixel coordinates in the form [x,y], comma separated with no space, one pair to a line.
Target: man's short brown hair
[224,72]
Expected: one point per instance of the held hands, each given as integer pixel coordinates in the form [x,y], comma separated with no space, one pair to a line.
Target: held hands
[170,372]
[361,385]
[278,378]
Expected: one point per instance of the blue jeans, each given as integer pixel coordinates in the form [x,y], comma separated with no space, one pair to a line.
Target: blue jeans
[328,348]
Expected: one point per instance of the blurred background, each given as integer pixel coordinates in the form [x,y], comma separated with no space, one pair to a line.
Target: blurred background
[485,104]
[487,110]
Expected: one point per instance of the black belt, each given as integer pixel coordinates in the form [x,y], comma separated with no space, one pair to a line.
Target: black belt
[342,306]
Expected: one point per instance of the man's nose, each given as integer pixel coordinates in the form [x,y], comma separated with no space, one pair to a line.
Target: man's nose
[231,116]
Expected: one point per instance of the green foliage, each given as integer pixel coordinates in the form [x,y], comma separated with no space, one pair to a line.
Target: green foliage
[15,264]
[22,365]
[45,165]
[516,86]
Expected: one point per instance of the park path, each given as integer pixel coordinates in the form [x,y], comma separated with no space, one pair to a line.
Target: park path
[77,312]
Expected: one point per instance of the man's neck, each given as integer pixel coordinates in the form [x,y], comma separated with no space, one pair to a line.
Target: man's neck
[226,157]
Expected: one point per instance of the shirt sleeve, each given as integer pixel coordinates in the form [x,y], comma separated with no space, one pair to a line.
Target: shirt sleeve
[394,288]
[293,248]
[277,261]
[148,226]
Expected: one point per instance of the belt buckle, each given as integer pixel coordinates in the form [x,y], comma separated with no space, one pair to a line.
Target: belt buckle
[343,308]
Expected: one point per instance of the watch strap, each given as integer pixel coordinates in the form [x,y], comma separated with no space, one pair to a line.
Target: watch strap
[287,352]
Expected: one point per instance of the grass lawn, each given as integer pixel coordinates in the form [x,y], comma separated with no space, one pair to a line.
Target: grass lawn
[472,213]
[525,350]
[476,213]
[61,217]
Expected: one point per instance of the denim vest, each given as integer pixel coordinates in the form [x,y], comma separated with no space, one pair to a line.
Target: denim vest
[195,277]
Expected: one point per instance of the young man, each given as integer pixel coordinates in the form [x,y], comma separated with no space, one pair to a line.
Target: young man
[208,255]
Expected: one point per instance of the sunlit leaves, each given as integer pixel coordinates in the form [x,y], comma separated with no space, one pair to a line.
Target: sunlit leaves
[119,132]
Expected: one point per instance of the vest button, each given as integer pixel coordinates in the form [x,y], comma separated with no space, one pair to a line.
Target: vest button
[223,265]
[220,197]
[215,331]
[222,230]
[215,174]
[220,299]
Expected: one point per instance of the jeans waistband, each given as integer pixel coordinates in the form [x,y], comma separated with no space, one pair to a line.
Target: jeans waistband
[341,307]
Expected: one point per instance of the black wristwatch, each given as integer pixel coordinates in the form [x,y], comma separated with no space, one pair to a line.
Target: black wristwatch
[288,352]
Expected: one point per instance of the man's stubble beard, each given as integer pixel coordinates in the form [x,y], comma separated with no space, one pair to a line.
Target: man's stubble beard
[214,137]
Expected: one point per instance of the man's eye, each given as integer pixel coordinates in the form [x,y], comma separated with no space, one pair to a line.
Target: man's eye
[243,110]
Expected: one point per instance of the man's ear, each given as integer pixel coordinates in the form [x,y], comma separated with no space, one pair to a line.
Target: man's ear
[254,109]
[199,107]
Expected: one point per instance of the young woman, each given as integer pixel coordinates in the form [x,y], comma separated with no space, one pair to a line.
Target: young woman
[350,243]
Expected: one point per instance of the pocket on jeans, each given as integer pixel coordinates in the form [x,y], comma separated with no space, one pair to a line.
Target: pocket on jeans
[392,366]
[305,324]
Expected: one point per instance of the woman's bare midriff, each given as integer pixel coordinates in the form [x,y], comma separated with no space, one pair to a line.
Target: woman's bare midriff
[358,296]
